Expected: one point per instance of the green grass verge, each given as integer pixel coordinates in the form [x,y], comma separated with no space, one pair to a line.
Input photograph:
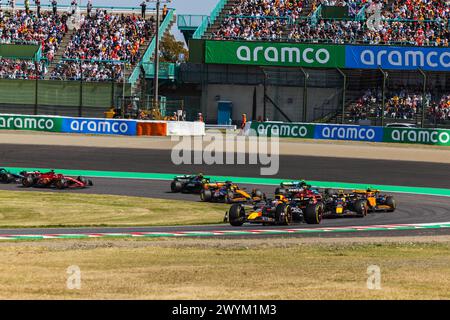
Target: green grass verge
[43,209]
[225,269]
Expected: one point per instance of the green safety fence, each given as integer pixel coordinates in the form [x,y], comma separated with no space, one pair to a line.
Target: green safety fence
[20,51]
[60,93]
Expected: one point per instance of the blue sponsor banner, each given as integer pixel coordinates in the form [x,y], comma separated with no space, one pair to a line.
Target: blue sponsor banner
[351,133]
[398,58]
[99,126]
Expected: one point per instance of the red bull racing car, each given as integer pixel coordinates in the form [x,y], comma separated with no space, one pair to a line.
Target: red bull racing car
[278,211]
[344,204]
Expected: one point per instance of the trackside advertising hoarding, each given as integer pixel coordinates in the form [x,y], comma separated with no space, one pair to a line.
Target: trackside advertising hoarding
[96,126]
[285,130]
[99,126]
[33,123]
[275,54]
[327,56]
[437,137]
[349,133]
[399,58]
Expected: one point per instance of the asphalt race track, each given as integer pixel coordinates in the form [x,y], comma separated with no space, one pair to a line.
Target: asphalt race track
[412,208]
[401,173]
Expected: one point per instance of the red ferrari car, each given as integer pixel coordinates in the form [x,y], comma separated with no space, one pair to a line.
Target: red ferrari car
[54,180]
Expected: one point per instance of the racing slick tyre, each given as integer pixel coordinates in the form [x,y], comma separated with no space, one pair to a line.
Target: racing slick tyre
[83,180]
[361,208]
[61,184]
[282,214]
[6,178]
[206,195]
[176,186]
[28,181]
[314,213]
[236,215]
[280,191]
[390,201]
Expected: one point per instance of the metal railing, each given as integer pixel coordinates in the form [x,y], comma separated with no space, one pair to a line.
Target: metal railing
[361,15]
[82,7]
[315,16]
[151,48]
[210,21]
[167,70]
[190,21]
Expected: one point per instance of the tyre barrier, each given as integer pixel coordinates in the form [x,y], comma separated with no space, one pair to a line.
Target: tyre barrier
[158,129]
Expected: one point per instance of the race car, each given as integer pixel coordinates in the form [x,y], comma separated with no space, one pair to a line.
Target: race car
[7,177]
[341,204]
[189,184]
[54,180]
[376,201]
[290,188]
[228,192]
[278,211]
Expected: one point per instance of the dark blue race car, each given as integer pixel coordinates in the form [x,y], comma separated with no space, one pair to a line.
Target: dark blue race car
[7,177]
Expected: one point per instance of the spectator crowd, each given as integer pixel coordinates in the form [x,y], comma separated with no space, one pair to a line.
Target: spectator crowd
[259,19]
[103,45]
[45,29]
[439,111]
[412,22]
[21,69]
[88,71]
[403,104]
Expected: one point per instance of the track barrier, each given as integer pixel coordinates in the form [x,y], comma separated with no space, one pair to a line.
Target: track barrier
[152,129]
[96,126]
[437,137]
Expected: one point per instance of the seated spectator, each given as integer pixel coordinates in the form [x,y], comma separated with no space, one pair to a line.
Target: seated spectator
[259,19]
[105,37]
[407,22]
[90,71]
[46,30]
[21,69]
[439,111]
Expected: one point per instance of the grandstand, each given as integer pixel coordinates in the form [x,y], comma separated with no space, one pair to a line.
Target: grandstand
[250,46]
[303,21]
[84,62]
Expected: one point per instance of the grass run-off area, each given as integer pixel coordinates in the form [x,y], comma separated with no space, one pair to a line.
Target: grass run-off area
[45,209]
[276,268]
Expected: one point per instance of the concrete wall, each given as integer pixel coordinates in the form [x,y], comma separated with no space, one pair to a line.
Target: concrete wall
[288,99]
